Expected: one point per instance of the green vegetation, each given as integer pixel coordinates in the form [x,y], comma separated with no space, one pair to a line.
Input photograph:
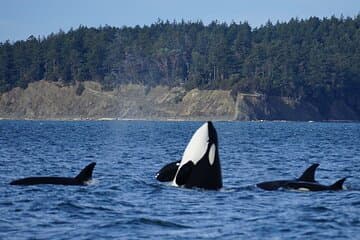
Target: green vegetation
[317,60]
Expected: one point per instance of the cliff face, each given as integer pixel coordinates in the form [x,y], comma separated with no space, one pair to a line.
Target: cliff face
[46,100]
[260,107]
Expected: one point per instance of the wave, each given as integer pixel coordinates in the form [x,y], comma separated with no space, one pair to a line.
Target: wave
[69,206]
[156,222]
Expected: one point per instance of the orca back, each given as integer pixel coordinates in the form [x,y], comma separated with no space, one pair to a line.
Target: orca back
[84,176]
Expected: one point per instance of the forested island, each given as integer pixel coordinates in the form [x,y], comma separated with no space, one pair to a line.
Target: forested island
[313,62]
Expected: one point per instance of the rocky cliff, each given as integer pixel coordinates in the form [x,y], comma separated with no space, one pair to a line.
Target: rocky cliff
[48,100]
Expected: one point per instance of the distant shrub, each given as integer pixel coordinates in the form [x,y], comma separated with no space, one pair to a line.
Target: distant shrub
[80,89]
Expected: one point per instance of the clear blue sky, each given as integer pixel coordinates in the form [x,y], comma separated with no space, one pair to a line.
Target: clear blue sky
[21,18]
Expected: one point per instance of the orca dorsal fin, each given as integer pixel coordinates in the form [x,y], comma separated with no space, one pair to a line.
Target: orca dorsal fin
[309,174]
[338,185]
[86,173]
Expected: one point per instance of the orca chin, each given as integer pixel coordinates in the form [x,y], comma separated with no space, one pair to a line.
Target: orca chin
[200,163]
[82,178]
[306,182]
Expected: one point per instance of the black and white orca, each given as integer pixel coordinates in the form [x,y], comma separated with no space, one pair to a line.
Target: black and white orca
[306,182]
[81,179]
[200,163]
[168,172]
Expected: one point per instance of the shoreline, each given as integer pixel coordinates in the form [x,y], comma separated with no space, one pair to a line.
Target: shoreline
[106,119]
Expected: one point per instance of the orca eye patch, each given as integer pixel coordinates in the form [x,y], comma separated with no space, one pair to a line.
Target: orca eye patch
[212,154]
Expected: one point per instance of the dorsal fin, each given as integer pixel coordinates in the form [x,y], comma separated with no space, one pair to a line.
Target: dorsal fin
[86,173]
[338,185]
[309,174]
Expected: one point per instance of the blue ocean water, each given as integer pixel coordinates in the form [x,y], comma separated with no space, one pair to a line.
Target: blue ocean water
[126,202]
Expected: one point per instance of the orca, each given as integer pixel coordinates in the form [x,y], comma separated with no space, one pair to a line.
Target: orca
[168,172]
[200,163]
[306,182]
[81,179]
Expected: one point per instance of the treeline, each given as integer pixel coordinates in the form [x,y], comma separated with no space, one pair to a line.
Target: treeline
[314,59]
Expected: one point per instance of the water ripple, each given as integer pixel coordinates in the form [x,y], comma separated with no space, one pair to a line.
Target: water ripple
[156,222]
[126,202]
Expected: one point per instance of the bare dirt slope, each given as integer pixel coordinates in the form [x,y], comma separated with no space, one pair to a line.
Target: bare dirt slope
[49,100]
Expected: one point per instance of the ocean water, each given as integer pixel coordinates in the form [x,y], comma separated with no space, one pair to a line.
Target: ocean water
[124,201]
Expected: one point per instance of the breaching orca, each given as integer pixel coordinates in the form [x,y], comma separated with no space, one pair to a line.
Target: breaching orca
[200,163]
[305,183]
[81,179]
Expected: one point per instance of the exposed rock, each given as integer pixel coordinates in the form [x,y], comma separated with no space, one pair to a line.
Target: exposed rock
[49,100]
[260,107]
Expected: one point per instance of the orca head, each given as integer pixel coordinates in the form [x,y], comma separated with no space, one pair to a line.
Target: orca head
[200,163]
[204,138]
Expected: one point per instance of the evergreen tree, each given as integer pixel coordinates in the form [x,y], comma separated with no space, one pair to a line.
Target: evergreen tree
[315,59]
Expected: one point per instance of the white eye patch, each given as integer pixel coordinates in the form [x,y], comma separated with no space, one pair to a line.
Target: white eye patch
[212,154]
